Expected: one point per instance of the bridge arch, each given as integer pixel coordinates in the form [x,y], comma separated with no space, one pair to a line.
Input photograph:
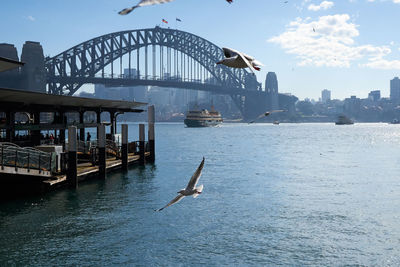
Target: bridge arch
[86,62]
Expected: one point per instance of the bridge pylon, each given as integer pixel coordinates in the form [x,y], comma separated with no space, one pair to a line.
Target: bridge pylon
[254,105]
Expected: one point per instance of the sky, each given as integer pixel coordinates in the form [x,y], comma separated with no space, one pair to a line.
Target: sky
[350,47]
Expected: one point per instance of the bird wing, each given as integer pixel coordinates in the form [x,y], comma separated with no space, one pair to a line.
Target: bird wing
[152,2]
[265,114]
[241,57]
[228,52]
[196,176]
[259,117]
[175,200]
[274,111]
[126,11]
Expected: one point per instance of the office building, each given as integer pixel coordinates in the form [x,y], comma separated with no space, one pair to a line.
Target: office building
[395,89]
[325,96]
[374,95]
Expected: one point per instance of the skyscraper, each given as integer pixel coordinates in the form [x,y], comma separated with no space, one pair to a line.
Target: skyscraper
[374,95]
[271,87]
[395,89]
[325,96]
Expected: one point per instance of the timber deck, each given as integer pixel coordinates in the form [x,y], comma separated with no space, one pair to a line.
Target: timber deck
[87,170]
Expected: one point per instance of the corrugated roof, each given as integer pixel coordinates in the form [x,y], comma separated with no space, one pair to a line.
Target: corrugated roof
[35,98]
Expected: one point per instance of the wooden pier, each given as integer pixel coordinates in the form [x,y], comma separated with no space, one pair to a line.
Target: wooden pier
[35,168]
[86,171]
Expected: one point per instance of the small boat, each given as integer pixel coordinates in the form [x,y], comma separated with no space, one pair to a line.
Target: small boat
[343,120]
[394,121]
[203,118]
[276,122]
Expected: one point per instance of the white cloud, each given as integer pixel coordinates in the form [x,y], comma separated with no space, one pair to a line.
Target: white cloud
[324,5]
[394,1]
[329,41]
[31,18]
[381,63]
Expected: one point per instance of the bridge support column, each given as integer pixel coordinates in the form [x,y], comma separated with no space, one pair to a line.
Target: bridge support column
[124,146]
[72,176]
[254,105]
[151,134]
[101,143]
[142,159]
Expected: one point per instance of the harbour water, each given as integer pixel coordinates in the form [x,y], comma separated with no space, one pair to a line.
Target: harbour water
[293,194]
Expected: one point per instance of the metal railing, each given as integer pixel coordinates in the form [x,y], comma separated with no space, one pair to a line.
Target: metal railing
[11,155]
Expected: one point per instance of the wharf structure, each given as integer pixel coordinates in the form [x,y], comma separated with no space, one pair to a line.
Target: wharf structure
[32,162]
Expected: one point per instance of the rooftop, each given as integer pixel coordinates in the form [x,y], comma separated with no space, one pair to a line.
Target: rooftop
[18,100]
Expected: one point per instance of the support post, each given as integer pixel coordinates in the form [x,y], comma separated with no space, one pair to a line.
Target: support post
[101,130]
[98,120]
[124,147]
[72,176]
[112,120]
[142,159]
[151,134]
[35,134]
[10,121]
[81,130]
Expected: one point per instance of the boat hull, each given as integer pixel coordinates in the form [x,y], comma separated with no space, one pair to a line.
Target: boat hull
[201,123]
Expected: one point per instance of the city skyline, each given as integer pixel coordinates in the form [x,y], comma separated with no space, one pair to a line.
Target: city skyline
[346,46]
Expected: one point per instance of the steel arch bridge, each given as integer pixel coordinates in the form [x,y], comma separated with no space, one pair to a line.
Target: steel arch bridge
[157,57]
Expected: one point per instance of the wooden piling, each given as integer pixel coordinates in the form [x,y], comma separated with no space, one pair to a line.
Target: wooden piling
[142,159]
[124,146]
[151,134]
[81,130]
[101,142]
[72,177]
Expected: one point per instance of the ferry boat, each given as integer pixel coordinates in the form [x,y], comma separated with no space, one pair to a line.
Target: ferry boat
[343,120]
[203,118]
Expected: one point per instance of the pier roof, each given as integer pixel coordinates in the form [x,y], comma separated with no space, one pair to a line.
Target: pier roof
[27,100]
[8,64]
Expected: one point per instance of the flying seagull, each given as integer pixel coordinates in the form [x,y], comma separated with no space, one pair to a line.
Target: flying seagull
[191,189]
[236,59]
[128,10]
[267,114]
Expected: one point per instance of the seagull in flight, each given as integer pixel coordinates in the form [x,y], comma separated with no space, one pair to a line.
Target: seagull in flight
[128,10]
[265,114]
[191,189]
[236,59]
